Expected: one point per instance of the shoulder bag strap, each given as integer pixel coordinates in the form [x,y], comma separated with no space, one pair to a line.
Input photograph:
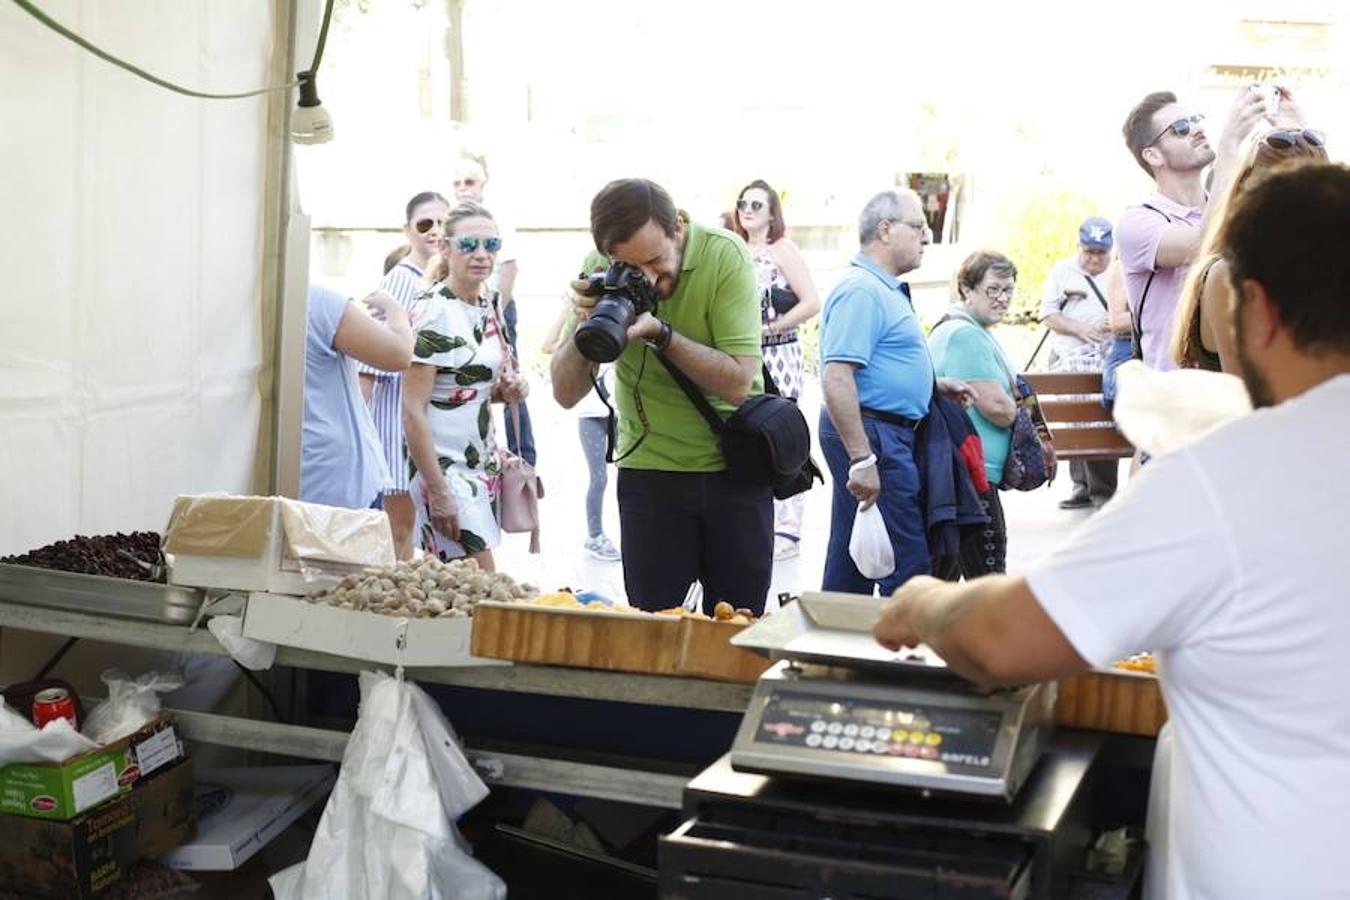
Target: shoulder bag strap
[1096,290]
[693,393]
[1136,322]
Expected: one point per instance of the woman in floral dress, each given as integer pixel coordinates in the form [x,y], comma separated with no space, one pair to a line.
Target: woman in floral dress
[460,366]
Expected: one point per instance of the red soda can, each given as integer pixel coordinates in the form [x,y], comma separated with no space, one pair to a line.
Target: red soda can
[53,703]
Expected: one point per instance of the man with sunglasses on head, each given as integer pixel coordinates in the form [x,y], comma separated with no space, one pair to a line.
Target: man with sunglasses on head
[681,517]
[1157,240]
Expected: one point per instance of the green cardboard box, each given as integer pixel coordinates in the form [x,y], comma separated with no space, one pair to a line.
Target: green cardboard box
[82,858]
[61,791]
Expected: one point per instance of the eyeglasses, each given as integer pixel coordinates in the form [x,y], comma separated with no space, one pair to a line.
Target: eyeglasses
[994,292]
[465,182]
[1181,127]
[468,243]
[422,226]
[921,227]
[754,205]
[1285,139]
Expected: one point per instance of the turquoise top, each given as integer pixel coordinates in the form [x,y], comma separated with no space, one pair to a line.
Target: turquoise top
[963,348]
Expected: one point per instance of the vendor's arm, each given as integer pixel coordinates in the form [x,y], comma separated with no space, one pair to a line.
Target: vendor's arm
[386,346]
[418,382]
[990,630]
[798,276]
[1154,570]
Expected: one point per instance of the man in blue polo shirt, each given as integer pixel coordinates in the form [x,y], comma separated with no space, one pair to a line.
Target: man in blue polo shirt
[878,379]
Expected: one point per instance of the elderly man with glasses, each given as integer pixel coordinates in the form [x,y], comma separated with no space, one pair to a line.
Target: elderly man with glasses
[878,380]
[1157,239]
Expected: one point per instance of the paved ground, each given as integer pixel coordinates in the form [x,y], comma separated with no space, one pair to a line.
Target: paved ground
[1036,525]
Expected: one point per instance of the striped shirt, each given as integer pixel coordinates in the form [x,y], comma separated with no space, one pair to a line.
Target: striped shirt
[403,283]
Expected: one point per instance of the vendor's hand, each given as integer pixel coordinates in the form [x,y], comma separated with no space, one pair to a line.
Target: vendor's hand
[1248,109]
[865,485]
[645,327]
[895,627]
[958,390]
[443,512]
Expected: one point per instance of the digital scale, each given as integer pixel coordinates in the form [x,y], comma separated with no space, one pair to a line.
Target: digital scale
[840,706]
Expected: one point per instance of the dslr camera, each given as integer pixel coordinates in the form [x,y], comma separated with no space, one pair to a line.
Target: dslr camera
[624,295]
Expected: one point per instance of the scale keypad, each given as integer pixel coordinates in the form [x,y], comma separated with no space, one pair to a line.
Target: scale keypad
[946,735]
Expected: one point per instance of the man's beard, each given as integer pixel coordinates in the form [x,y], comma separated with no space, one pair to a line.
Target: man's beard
[1258,386]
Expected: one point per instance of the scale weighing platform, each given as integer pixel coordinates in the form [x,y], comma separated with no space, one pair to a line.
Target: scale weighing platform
[862,773]
[840,706]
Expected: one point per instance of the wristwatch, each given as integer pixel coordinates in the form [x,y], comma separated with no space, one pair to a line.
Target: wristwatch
[662,340]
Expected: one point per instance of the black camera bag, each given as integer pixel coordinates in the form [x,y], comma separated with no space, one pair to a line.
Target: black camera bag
[765,441]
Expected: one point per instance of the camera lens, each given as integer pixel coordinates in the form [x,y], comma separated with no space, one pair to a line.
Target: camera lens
[602,337]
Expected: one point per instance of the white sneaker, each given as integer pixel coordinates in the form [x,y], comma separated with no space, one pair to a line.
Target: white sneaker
[599,547]
[785,548]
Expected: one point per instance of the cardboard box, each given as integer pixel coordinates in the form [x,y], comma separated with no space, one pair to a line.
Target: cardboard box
[271,543]
[240,810]
[293,622]
[87,855]
[61,791]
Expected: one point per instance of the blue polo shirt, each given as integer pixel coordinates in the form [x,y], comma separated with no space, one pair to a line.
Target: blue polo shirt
[869,321]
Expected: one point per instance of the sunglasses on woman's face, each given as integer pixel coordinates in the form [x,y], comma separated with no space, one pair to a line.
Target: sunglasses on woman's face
[754,205]
[469,243]
[1284,139]
[422,226]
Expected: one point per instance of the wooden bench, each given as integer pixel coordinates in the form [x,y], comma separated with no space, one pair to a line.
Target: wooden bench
[1079,424]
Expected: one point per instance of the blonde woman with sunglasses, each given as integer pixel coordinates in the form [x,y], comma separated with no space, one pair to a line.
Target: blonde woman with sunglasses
[461,364]
[403,281]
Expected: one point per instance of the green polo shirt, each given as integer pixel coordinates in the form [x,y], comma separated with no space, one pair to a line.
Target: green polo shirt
[716,303]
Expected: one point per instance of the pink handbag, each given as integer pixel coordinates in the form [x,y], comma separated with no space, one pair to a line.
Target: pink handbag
[520,487]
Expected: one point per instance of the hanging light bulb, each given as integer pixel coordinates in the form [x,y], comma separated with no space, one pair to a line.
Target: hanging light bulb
[310,123]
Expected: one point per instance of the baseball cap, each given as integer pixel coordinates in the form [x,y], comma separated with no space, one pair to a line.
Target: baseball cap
[1095,233]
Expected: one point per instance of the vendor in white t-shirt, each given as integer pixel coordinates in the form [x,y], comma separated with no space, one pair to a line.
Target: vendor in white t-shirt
[1226,558]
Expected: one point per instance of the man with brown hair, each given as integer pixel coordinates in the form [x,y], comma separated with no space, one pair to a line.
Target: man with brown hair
[681,517]
[1157,239]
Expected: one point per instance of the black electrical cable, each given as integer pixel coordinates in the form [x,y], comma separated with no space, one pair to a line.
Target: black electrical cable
[56,658]
[267,695]
[104,55]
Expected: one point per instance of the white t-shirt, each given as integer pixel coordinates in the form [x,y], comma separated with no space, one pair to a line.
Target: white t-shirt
[1227,558]
[1067,275]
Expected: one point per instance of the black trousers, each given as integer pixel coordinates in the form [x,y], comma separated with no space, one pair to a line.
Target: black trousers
[680,527]
[1095,479]
[984,551]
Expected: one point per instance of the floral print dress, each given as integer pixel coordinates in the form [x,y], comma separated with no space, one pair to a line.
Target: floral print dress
[463,343]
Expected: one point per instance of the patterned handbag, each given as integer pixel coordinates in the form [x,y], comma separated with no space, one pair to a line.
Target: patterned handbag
[1031,453]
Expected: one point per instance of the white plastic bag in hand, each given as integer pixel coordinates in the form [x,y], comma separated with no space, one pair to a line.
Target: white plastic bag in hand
[870,545]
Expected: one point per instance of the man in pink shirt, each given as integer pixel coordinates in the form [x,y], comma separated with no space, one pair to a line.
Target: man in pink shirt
[1157,239]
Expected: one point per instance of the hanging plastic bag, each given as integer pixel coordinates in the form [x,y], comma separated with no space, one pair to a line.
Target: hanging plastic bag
[387,832]
[870,545]
[131,703]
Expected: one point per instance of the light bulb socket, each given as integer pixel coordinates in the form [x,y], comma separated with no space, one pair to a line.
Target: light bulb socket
[309,89]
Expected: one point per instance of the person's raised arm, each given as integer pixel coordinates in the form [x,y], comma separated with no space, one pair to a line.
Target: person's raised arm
[386,346]
[569,371]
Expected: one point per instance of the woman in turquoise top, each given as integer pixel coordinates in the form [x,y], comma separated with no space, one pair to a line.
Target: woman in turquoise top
[963,347]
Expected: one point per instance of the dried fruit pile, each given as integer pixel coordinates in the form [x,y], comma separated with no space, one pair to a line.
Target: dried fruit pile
[134,555]
[428,588]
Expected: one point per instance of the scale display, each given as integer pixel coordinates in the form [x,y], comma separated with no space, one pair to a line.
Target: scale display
[962,737]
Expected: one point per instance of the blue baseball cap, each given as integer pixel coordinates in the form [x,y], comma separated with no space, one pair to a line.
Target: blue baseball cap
[1095,233]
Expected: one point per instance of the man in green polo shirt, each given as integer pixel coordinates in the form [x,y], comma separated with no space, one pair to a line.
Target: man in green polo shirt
[681,518]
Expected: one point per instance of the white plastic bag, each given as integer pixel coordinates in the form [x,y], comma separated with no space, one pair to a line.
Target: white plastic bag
[130,704]
[23,742]
[387,832]
[870,545]
[253,655]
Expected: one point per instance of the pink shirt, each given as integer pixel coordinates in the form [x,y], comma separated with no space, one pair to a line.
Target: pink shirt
[1138,234]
